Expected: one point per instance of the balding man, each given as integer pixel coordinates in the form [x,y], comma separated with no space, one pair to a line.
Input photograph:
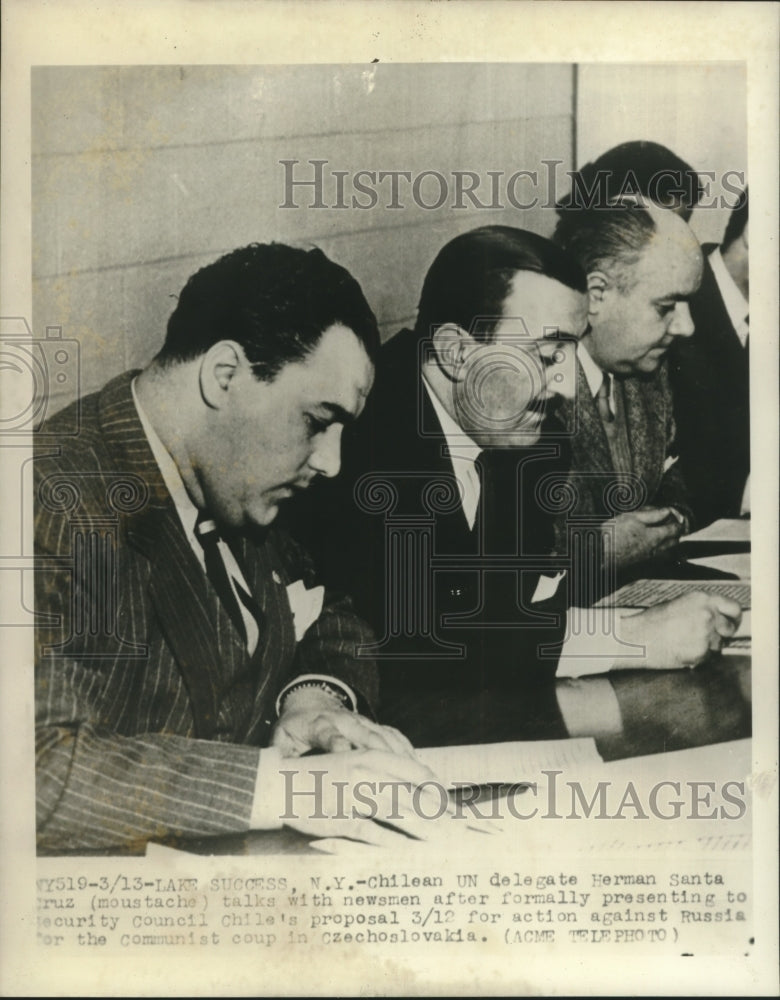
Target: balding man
[643,264]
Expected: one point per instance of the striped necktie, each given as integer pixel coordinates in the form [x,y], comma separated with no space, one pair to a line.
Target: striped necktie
[232,593]
[602,401]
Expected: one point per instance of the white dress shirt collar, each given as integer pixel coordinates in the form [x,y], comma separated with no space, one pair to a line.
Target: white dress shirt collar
[735,302]
[185,508]
[463,454]
[188,515]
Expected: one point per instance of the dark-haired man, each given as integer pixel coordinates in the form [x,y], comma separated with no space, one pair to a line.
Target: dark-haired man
[434,526]
[441,524]
[710,378]
[637,168]
[181,630]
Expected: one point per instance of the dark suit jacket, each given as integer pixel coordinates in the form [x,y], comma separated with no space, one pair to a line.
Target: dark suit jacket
[149,710]
[710,377]
[391,532]
[597,492]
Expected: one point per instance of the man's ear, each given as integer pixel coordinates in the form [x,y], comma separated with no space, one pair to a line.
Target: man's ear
[218,368]
[452,345]
[598,284]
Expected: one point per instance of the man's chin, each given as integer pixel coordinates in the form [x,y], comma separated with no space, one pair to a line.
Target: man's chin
[263,516]
[651,362]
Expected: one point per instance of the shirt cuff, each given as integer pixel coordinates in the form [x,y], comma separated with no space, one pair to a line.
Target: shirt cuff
[589,708]
[591,646]
[268,804]
[317,681]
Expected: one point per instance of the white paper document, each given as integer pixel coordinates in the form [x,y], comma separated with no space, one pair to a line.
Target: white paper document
[495,763]
[724,530]
[737,563]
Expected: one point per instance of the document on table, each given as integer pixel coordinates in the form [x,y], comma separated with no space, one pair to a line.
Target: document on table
[736,563]
[724,530]
[639,793]
[648,593]
[506,763]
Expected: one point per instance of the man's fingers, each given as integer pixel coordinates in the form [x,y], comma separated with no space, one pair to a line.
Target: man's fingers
[727,607]
[725,627]
[388,737]
[335,743]
[364,734]
[287,743]
[652,515]
[325,735]
[338,732]
[666,531]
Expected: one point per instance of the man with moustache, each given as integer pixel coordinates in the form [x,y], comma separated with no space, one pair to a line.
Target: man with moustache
[441,524]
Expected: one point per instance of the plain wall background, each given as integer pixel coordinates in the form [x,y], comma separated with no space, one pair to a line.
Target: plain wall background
[697,110]
[142,174]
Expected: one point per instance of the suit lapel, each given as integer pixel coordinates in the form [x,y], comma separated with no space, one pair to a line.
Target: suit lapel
[414,447]
[178,585]
[590,438]
[180,598]
[646,427]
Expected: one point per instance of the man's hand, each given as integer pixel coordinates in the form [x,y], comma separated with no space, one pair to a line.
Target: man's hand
[682,632]
[312,719]
[341,794]
[643,534]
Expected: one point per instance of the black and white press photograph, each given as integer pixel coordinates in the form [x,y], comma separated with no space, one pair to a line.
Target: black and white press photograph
[386,474]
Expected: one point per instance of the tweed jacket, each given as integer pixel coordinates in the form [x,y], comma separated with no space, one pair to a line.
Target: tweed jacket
[596,491]
[149,710]
[655,478]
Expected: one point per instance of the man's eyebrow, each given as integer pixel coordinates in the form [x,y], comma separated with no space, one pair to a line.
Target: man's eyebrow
[674,297]
[338,413]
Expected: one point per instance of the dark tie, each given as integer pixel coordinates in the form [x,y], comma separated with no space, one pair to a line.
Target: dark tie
[208,536]
[614,425]
[498,502]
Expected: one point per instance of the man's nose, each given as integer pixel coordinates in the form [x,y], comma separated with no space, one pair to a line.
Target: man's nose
[325,460]
[682,323]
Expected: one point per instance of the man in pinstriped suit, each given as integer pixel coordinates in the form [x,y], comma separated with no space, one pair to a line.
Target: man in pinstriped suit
[160,675]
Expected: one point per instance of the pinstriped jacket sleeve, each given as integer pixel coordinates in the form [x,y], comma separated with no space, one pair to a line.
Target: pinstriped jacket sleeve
[97,785]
